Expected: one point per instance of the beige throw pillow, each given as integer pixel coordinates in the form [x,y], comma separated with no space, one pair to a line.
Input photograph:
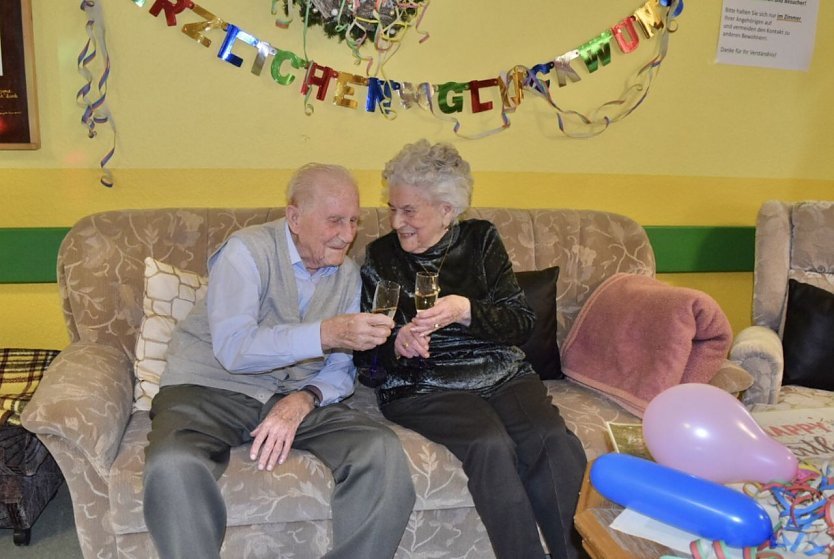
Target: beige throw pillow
[170,294]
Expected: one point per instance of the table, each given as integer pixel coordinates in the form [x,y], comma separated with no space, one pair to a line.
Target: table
[594,514]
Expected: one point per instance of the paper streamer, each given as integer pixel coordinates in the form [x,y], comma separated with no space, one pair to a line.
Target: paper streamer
[92,96]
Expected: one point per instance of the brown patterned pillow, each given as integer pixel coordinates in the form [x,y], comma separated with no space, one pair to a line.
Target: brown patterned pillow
[170,294]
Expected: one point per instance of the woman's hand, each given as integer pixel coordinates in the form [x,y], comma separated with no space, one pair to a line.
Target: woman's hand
[413,338]
[410,343]
[447,310]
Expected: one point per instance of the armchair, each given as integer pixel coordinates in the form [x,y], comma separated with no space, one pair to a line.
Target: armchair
[794,241]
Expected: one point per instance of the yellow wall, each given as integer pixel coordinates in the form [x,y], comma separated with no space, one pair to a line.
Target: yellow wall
[708,145]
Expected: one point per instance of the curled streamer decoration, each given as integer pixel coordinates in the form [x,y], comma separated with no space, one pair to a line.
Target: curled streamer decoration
[308,106]
[805,517]
[359,18]
[282,22]
[677,10]
[572,123]
[456,128]
[631,98]
[92,96]
[424,35]
[357,22]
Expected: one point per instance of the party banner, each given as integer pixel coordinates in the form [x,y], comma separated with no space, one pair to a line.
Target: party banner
[501,93]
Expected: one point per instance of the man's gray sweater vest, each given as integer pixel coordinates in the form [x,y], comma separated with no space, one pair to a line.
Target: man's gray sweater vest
[190,356]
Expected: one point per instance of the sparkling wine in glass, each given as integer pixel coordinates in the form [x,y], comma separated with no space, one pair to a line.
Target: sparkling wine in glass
[426,290]
[386,297]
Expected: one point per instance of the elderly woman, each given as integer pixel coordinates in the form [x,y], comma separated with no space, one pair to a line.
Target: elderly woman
[453,373]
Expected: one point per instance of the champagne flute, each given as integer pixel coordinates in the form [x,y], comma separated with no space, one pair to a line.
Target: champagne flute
[386,298]
[426,290]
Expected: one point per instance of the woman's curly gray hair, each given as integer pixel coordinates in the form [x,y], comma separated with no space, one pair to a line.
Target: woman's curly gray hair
[437,169]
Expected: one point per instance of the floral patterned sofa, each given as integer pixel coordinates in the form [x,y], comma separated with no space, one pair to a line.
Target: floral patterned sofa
[84,410]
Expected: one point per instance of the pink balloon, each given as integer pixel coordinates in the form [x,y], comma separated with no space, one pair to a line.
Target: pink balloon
[704,431]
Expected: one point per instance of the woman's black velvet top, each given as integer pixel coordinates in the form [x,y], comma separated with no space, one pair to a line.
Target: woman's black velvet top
[477,358]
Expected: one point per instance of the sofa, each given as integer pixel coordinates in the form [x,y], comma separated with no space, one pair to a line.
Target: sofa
[788,348]
[88,409]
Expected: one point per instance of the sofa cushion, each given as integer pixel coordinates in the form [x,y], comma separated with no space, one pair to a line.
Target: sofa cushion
[299,489]
[542,348]
[170,294]
[586,414]
[807,336]
[636,336]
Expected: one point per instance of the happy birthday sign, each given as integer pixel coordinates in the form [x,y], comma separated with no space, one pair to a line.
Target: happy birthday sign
[809,433]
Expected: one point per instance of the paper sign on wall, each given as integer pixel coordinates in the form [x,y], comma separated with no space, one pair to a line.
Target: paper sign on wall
[768,33]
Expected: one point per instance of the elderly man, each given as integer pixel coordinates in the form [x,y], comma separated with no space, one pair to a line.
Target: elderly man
[266,358]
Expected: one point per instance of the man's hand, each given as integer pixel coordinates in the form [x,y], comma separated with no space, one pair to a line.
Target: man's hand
[275,434]
[361,331]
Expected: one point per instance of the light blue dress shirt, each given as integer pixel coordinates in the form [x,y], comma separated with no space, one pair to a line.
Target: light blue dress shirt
[243,346]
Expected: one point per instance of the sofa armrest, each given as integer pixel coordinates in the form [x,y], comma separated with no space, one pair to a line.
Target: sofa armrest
[84,399]
[759,351]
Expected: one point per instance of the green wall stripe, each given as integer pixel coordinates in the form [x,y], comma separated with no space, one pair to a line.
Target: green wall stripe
[703,249]
[27,254]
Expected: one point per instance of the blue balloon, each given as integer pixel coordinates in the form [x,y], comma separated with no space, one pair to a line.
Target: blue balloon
[688,502]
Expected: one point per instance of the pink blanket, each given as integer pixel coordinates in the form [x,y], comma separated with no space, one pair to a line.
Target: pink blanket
[637,336]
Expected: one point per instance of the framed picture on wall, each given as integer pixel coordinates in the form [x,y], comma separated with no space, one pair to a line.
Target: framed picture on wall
[18,95]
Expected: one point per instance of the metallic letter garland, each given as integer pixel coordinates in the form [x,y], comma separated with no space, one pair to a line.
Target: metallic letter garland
[653,20]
